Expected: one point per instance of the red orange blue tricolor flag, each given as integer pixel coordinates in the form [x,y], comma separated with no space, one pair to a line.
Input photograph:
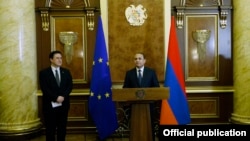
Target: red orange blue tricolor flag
[175,110]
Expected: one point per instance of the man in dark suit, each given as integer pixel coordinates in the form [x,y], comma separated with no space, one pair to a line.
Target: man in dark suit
[147,78]
[56,101]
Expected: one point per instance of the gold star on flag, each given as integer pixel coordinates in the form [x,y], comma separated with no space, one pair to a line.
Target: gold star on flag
[99,97]
[91,94]
[100,60]
[107,95]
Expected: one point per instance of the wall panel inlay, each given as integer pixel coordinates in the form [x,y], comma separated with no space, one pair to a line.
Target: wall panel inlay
[77,17]
[204,107]
[201,53]
[208,62]
[76,24]
[125,40]
[78,110]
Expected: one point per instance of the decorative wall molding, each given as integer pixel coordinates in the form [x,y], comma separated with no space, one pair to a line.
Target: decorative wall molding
[51,6]
[45,20]
[202,5]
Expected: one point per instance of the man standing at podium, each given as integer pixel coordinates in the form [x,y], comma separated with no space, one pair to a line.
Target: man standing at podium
[141,77]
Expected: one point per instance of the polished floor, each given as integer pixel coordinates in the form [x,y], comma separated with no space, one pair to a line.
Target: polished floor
[84,137]
[70,137]
[81,137]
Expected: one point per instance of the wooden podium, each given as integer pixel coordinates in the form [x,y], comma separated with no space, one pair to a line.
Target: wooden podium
[140,98]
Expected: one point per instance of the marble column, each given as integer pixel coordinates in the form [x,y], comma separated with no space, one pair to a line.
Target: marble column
[241,48]
[18,70]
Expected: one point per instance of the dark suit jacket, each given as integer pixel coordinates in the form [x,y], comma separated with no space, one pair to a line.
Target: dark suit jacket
[51,90]
[149,79]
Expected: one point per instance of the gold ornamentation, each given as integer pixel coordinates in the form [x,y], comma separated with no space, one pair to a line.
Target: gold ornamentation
[45,20]
[136,16]
[223,18]
[201,37]
[90,17]
[68,38]
[68,4]
[223,10]
[140,94]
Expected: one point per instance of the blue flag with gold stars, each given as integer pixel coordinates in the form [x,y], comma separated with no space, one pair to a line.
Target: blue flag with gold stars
[101,106]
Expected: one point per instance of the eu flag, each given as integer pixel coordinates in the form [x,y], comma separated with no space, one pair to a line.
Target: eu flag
[101,106]
[175,110]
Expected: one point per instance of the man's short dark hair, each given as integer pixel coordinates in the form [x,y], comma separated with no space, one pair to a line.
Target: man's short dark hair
[52,53]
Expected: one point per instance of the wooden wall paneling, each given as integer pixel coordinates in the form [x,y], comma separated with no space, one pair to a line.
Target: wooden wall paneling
[216,70]
[77,62]
[201,47]
[79,120]
[81,63]
[63,18]
[72,18]
[72,3]
[209,84]
[125,40]
[210,107]
[207,107]
[217,67]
